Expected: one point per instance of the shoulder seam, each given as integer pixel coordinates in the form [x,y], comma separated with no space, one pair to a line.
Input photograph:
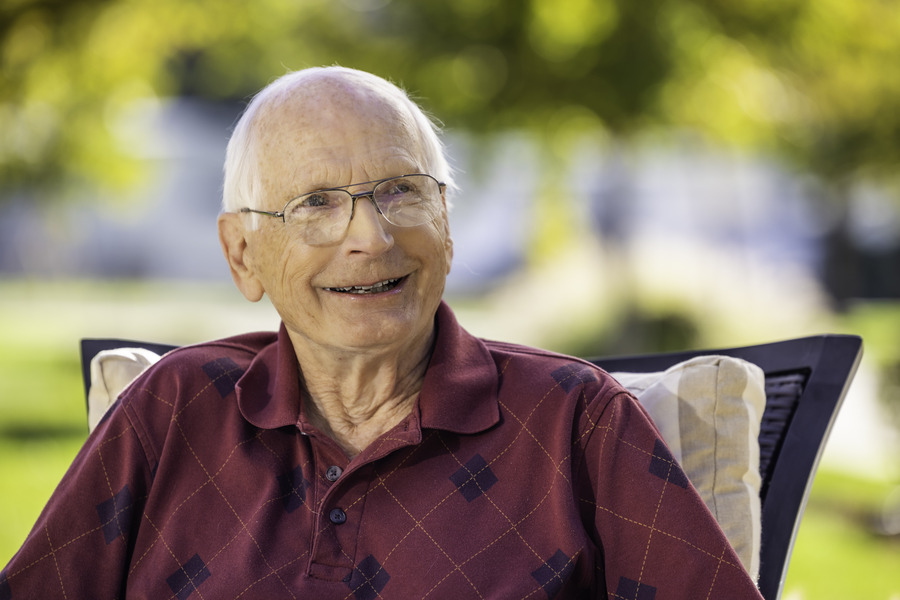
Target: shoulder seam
[532,351]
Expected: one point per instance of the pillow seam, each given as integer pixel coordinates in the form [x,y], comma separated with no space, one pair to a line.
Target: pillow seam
[717,401]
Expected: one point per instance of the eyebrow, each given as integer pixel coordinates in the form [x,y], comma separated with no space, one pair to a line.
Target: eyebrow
[325,188]
[296,193]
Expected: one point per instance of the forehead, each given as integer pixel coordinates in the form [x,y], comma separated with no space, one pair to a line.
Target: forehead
[328,132]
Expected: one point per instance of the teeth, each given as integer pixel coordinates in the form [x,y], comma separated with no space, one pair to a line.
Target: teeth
[381,286]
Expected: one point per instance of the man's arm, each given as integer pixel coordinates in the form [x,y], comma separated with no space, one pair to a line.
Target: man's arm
[657,537]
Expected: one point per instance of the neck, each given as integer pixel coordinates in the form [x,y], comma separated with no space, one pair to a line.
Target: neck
[355,397]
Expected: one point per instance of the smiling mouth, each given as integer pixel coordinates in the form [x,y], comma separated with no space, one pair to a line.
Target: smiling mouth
[380,287]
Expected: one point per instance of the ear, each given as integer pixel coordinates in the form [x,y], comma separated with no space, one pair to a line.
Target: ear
[233,238]
[448,240]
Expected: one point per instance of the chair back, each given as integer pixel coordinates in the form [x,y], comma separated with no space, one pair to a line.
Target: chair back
[806,381]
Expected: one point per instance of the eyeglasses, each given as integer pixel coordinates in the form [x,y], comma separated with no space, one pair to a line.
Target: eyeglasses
[323,216]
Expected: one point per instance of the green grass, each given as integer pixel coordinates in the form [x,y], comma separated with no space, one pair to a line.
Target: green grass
[42,425]
[40,388]
[839,553]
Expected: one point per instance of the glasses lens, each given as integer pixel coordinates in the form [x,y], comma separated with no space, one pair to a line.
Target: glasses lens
[408,201]
[320,216]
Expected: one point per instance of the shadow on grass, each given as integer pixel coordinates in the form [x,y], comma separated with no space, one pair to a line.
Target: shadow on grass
[41,432]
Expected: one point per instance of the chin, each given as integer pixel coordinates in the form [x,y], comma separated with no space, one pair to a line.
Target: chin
[384,328]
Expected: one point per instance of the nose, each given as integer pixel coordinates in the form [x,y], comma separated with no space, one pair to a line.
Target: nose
[367,231]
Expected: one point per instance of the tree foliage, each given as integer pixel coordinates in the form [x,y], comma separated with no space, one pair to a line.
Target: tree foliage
[811,80]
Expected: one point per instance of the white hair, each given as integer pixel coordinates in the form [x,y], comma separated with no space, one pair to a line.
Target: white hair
[241,184]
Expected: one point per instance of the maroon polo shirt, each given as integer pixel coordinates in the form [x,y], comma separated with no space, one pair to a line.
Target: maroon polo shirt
[519,474]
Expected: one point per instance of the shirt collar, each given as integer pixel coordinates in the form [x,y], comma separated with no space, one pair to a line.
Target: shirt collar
[268,393]
[459,393]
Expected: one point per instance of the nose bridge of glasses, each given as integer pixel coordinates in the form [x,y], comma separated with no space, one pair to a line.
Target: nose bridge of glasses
[370,194]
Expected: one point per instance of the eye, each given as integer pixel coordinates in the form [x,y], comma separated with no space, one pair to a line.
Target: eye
[315,200]
[315,205]
[401,190]
[401,187]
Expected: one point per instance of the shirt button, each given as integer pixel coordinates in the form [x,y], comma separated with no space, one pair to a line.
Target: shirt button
[333,473]
[337,516]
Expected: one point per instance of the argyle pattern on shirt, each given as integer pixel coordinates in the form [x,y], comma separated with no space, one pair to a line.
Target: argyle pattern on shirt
[520,474]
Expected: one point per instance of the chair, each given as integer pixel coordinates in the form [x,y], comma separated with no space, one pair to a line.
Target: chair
[805,383]
[806,380]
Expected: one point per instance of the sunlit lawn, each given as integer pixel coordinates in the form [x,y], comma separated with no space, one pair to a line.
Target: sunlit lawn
[41,428]
[838,554]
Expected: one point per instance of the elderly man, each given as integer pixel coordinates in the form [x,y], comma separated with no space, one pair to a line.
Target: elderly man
[371,448]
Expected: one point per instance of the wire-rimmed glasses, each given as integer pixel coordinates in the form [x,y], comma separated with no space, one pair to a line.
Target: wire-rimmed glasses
[322,216]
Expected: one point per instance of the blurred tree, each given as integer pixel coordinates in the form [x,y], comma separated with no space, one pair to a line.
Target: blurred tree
[808,79]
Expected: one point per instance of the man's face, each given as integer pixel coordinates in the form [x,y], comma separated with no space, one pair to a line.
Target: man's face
[332,140]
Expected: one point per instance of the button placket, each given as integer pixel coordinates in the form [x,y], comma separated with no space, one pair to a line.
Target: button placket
[338,493]
[340,519]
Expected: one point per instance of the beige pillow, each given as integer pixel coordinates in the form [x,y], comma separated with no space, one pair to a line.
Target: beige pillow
[708,410]
[111,372]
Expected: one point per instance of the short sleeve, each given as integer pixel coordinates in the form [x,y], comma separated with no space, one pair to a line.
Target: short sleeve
[657,538]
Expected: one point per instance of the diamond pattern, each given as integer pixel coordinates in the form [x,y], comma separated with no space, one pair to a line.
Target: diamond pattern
[224,374]
[5,592]
[185,580]
[368,579]
[664,466]
[552,575]
[572,375]
[293,488]
[474,478]
[629,589]
[115,515]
